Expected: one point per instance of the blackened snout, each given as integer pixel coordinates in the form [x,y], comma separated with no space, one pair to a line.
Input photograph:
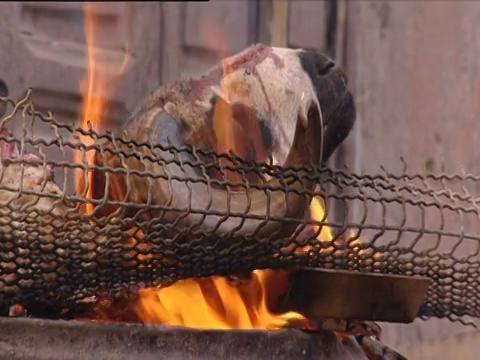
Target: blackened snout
[329,80]
[336,102]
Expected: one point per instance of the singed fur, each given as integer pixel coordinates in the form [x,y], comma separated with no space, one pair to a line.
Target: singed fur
[269,80]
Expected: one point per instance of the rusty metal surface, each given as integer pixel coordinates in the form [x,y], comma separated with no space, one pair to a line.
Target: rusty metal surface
[326,294]
[36,339]
[65,256]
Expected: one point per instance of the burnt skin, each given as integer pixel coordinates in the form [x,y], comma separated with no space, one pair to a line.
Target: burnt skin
[179,113]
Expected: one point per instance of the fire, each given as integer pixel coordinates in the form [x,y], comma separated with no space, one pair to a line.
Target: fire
[213,302]
[97,87]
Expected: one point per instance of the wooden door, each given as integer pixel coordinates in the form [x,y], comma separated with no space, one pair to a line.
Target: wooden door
[43,47]
[44,44]
[196,35]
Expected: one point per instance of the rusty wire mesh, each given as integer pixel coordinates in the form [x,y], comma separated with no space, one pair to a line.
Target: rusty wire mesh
[51,251]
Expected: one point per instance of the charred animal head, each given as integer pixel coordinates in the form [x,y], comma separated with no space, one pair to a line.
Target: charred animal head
[297,98]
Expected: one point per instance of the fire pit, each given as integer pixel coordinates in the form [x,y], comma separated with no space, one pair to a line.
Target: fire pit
[176,232]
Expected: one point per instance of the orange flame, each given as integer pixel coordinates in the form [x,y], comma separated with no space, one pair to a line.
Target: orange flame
[97,87]
[212,302]
[215,303]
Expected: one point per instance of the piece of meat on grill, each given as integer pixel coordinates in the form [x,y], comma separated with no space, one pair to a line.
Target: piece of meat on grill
[302,101]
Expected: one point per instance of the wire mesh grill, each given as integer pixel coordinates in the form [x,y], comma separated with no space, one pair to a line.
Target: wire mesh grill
[51,250]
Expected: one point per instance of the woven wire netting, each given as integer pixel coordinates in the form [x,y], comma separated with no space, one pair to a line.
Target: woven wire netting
[53,250]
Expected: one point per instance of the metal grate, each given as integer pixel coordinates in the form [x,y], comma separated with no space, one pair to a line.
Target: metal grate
[51,251]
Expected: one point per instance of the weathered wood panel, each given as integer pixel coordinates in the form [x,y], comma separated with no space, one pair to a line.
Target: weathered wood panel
[42,46]
[414,70]
[307,24]
[197,35]
[45,43]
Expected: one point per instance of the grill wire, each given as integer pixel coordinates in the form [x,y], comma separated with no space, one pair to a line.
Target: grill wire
[51,252]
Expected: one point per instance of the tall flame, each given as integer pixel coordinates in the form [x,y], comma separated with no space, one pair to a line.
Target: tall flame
[97,87]
[213,302]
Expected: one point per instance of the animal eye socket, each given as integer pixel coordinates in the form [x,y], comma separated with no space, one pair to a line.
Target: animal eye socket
[3,89]
[323,70]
